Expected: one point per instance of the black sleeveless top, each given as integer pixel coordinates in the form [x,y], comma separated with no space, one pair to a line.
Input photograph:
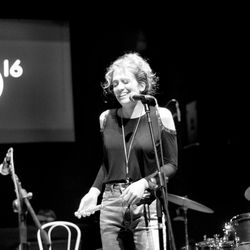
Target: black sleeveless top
[141,162]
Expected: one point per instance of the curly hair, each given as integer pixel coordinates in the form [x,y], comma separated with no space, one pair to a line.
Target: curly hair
[138,66]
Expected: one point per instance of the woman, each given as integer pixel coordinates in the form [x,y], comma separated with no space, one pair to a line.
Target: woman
[129,170]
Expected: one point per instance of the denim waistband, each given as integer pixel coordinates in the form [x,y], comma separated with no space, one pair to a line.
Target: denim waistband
[118,186]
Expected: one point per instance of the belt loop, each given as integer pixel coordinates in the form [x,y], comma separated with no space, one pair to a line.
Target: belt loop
[149,214]
[146,215]
[112,188]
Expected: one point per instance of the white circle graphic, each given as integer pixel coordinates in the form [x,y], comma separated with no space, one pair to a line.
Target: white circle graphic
[1,84]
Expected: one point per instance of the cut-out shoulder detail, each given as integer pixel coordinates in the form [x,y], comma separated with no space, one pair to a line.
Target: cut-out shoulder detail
[102,118]
[166,119]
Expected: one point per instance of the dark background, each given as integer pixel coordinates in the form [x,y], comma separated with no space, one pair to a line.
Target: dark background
[200,54]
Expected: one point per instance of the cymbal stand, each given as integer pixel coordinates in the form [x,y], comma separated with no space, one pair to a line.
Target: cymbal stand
[186,227]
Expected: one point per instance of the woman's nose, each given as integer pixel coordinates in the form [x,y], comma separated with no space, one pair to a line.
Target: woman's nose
[120,86]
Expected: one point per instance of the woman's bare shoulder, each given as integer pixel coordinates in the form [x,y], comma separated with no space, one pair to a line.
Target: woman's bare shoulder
[166,118]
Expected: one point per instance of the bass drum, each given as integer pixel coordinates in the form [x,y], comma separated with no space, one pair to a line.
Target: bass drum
[241,225]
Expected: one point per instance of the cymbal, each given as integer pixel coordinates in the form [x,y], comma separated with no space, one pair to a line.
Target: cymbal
[247,194]
[185,202]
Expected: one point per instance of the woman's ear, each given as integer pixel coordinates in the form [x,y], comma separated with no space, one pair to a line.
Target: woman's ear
[142,87]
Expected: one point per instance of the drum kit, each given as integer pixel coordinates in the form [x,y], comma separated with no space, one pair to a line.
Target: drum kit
[236,233]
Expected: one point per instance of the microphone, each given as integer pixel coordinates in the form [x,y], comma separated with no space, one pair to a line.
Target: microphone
[142,98]
[5,166]
[178,112]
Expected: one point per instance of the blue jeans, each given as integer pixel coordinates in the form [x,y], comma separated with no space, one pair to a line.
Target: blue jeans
[127,227]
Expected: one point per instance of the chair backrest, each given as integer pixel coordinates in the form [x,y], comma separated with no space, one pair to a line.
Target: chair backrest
[66,225]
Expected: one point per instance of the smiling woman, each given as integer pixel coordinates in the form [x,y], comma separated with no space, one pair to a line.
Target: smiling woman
[128,174]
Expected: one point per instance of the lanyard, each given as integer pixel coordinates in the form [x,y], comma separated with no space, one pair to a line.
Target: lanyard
[127,154]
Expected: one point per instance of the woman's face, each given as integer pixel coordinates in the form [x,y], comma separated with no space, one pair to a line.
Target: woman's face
[124,84]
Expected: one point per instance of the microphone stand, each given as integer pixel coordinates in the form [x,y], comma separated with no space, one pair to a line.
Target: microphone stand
[163,186]
[23,206]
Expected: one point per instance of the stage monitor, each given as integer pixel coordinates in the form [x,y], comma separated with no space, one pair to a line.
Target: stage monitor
[36,98]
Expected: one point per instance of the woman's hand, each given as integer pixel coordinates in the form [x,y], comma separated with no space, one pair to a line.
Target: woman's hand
[88,202]
[134,192]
